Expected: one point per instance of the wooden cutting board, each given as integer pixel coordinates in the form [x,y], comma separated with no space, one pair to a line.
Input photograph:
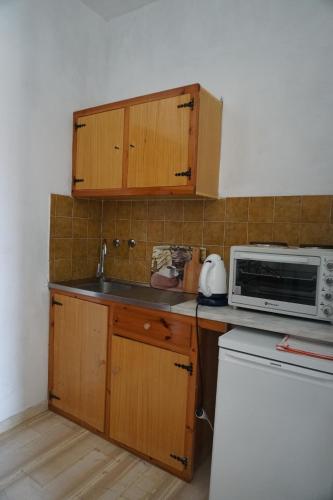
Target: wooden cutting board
[192,272]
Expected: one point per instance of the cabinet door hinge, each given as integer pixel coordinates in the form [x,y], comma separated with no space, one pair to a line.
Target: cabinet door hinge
[76,180]
[188,368]
[53,396]
[185,173]
[189,104]
[79,125]
[56,302]
[182,460]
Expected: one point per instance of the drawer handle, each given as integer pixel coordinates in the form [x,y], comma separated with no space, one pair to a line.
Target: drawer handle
[146,326]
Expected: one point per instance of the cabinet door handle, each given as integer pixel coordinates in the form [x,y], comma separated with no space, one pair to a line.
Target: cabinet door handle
[132,145]
[116,147]
[146,326]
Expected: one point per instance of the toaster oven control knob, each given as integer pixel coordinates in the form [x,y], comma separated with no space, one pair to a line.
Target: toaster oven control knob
[328,296]
[329,265]
[329,281]
[328,310]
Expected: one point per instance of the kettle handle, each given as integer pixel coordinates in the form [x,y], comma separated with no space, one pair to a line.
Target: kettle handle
[203,285]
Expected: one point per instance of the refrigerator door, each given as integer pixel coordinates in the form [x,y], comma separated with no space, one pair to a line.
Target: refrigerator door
[273,436]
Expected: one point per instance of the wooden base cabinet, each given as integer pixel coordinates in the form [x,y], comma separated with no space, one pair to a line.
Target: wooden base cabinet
[166,143]
[149,390]
[129,374]
[78,349]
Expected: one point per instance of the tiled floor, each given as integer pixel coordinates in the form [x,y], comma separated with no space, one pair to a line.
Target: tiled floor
[49,458]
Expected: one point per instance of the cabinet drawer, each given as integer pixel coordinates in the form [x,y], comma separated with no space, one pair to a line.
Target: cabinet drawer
[152,327]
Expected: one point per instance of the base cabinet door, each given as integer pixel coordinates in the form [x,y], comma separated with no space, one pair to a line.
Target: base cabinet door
[78,378]
[149,400]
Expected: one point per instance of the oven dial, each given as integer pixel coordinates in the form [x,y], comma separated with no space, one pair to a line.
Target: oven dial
[329,265]
[328,310]
[329,281]
[328,296]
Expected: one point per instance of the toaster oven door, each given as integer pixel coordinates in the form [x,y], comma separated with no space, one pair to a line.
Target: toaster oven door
[276,282]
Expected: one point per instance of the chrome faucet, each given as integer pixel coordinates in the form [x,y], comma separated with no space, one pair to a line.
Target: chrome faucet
[100,267]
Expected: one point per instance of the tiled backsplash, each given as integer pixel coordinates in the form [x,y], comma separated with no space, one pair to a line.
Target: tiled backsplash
[77,227]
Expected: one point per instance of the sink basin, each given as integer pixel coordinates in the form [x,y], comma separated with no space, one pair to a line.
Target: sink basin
[105,286]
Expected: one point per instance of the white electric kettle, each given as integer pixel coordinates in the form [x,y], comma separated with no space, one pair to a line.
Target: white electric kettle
[212,282]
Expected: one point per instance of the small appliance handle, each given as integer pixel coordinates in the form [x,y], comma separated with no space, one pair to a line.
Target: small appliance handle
[203,281]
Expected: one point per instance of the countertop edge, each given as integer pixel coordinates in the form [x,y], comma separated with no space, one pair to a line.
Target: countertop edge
[295,327]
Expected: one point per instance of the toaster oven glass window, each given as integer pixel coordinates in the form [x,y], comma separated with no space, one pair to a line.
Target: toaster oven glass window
[276,281]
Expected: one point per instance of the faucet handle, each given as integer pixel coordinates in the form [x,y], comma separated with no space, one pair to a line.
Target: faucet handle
[116,243]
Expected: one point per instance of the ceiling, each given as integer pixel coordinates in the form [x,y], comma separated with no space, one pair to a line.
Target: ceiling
[113,8]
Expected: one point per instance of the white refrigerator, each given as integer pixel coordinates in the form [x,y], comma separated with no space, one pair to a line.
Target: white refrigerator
[273,436]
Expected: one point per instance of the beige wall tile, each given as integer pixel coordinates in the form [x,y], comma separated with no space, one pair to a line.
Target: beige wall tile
[193,210]
[192,233]
[140,209]
[93,247]
[79,267]
[156,210]
[52,227]
[139,230]
[235,233]
[138,252]
[64,206]
[81,208]
[156,231]
[80,249]
[260,232]
[214,249]
[213,233]
[124,209]
[91,268]
[63,227]
[80,228]
[62,269]
[51,249]
[63,248]
[261,209]
[123,229]
[316,234]
[237,209]
[287,208]
[53,204]
[174,210]
[173,232]
[215,210]
[121,252]
[287,232]
[332,211]
[95,209]
[109,228]
[316,209]
[94,228]
[109,210]
[140,272]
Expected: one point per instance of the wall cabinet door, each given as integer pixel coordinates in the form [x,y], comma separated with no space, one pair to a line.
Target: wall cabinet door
[159,142]
[99,150]
[149,400]
[78,376]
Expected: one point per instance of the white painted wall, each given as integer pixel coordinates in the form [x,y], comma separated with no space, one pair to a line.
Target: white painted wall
[52,60]
[272,60]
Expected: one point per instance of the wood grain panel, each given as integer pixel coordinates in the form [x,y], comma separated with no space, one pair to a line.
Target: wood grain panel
[209,145]
[148,399]
[150,326]
[79,359]
[159,142]
[99,150]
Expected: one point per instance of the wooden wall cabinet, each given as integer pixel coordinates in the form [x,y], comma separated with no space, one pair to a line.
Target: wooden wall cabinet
[166,143]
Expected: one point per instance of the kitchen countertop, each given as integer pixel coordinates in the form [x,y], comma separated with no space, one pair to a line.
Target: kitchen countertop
[297,327]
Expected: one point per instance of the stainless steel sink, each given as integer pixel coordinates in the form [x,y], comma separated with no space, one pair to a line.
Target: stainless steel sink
[129,293]
[105,286]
